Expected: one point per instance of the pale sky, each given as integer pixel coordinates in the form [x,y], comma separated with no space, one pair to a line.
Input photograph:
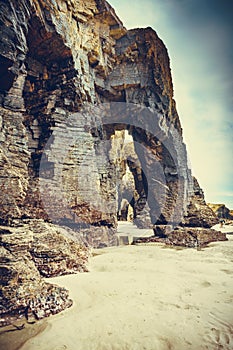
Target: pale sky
[199,37]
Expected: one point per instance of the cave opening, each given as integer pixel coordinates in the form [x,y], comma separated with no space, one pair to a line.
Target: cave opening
[132,186]
[143,182]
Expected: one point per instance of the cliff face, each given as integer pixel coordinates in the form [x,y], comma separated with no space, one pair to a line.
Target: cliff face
[57,57]
[60,56]
[59,60]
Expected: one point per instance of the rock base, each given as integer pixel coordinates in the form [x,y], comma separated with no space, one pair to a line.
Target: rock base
[190,237]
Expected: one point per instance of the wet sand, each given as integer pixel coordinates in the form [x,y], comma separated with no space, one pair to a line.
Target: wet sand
[13,339]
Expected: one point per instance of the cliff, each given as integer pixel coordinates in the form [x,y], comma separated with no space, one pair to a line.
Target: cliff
[73,83]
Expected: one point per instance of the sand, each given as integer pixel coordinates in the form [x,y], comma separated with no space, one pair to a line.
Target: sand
[147,297]
[12,339]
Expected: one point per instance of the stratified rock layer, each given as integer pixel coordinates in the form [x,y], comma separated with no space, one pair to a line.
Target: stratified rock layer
[29,251]
[57,57]
[199,213]
[61,165]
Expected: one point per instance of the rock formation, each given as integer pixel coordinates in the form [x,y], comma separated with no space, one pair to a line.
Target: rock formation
[221,211]
[199,213]
[72,81]
[193,237]
[29,250]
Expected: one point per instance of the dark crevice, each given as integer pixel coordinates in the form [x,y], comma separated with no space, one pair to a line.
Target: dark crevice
[6,75]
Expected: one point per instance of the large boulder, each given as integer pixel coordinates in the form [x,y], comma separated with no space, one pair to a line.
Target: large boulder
[28,252]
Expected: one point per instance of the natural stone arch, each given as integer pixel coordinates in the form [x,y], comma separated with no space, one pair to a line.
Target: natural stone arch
[125,160]
[160,154]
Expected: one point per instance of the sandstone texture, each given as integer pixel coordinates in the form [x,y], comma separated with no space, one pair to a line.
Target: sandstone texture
[28,252]
[198,212]
[74,84]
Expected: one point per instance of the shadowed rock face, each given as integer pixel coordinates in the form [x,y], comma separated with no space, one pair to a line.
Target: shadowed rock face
[57,57]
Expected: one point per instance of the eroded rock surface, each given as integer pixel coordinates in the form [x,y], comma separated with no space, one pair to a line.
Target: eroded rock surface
[199,213]
[28,252]
[189,237]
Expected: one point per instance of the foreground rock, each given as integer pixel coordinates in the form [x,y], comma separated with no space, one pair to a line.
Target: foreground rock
[29,252]
[55,254]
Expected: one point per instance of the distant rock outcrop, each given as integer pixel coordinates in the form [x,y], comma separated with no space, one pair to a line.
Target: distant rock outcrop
[221,211]
[190,237]
[199,213]
[57,57]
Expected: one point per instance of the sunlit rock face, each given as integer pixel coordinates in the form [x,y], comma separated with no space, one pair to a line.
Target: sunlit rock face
[221,211]
[199,213]
[74,84]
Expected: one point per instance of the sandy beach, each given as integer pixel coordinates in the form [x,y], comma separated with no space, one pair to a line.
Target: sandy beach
[147,297]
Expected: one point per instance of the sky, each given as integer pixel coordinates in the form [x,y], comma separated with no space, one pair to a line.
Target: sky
[199,37]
